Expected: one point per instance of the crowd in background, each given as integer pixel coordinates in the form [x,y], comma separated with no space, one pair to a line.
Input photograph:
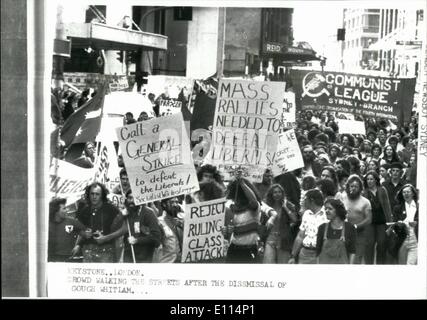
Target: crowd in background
[354,201]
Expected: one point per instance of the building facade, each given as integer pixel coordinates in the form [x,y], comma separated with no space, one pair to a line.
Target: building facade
[362,27]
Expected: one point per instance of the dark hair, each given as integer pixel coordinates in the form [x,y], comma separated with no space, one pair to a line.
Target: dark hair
[341,174]
[129,114]
[405,140]
[350,180]
[344,164]
[54,205]
[350,149]
[376,146]
[123,172]
[328,188]
[311,135]
[234,187]
[315,196]
[269,194]
[308,182]
[211,190]
[394,156]
[399,194]
[350,139]
[103,189]
[333,173]
[339,207]
[355,162]
[209,169]
[128,193]
[371,173]
[322,137]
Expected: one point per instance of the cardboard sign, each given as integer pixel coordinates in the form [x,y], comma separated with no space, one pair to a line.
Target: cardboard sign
[203,239]
[158,159]
[288,156]
[247,123]
[370,96]
[351,126]
[68,181]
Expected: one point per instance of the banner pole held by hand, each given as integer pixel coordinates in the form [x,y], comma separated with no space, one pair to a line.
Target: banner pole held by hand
[131,245]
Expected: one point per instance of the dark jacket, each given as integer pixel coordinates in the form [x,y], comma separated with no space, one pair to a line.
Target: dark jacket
[384,200]
[399,214]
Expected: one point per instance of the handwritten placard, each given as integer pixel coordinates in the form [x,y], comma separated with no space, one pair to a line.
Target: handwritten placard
[247,123]
[288,156]
[203,239]
[158,158]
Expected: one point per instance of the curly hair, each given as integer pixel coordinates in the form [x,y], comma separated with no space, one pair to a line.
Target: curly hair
[234,187]
[211,190]
[327,187]
[104,191]
[269,194]
[350,180]
[209,169]
[339,207]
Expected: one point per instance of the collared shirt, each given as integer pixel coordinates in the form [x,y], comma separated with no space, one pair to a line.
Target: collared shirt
[411,209]
[310,224]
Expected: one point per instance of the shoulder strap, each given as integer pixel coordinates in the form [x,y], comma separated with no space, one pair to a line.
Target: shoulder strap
[326,231]
[343,232]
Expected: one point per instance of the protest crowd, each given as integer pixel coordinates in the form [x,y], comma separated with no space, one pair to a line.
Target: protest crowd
[352,200]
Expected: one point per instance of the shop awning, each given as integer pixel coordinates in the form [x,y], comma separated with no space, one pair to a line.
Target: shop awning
[107,37]
[288,53]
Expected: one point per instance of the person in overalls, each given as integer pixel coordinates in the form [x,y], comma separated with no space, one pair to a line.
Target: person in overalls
[336,239]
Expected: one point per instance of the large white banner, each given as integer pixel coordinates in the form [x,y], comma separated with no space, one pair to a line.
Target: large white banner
[203,239]
[246,125]
[158,158]
[68,180]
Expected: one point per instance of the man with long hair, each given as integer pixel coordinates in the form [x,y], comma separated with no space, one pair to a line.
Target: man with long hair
[359,213]
[102,221]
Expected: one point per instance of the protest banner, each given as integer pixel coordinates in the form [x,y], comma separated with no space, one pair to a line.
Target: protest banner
[288,156]
[350,126]
[246,124]
[289,110]
[172,93]
[203,239]
[365,95]
[68,181]
[158,159]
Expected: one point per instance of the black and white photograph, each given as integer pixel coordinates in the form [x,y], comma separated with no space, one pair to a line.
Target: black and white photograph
[219,149]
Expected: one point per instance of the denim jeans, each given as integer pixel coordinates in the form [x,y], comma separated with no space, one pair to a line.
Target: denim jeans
[274,254]
[408,252]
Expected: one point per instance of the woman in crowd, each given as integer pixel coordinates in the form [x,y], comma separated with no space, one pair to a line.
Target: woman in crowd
[376,153]
[389,155]
[334,153]
[279,242]
[372,166]
[354,165]
[245,208]
[381,214]
[336,239]
[406,211]
[365,149]
[346,151]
